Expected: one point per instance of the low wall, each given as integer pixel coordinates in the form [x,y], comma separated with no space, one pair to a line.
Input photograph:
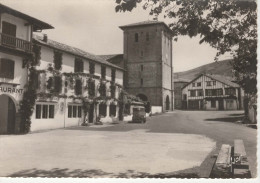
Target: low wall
[252,114]
[156,109]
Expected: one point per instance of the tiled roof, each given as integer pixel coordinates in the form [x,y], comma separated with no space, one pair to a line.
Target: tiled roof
[223,79]
[181,80]
[38,24]
[107,57]
[148,22]
[73,50]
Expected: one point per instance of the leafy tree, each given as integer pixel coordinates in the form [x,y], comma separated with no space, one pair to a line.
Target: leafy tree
[229,26]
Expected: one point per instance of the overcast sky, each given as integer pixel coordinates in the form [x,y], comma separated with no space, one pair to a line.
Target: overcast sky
[93,25]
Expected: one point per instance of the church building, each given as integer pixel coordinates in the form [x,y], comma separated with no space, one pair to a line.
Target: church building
[148,61]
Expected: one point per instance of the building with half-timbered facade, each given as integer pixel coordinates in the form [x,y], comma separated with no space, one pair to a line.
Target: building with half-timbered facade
[212,92]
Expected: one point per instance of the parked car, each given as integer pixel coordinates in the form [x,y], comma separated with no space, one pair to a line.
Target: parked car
[139,115]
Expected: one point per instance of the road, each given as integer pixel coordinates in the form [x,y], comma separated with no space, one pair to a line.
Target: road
[175,144]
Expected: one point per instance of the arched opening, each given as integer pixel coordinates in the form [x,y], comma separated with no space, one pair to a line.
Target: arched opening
[167,103]
[7,115]
[142,97]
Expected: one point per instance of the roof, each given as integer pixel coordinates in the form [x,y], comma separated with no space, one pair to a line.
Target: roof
[108,57]
[37,24]
[223,79]
[220,78]
[145,23]
[181,80]
[73,50]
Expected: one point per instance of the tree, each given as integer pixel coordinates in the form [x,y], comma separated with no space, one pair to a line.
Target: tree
[229,26]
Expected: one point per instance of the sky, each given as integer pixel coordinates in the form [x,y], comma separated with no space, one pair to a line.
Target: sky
[93,26]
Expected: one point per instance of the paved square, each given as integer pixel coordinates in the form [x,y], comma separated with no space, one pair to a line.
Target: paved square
[106,153]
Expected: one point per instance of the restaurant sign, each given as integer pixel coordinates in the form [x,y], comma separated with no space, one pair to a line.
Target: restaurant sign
[10,90]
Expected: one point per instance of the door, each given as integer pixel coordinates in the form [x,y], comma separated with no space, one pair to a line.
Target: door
[220,104]
[91,113]
[7,115]
[11,116]
[9,30]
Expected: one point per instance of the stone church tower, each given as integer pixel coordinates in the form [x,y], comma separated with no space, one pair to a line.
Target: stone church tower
[148,63]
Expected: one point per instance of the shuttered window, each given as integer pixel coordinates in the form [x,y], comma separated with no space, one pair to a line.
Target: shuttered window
[7,68]
[78,65]
[9,29]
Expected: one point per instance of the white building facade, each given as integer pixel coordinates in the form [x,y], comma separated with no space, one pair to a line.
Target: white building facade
[212,92]
[16,31]
[79,79]
[71,86]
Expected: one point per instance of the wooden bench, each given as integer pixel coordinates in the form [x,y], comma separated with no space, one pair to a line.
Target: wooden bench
[240,166]
[222,167]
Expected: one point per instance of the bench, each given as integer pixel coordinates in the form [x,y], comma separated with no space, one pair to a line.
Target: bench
[240,167]
[231,162]
[222,167]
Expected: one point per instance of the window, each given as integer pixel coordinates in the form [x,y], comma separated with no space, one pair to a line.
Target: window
[208,83]
[78,87]
[199,84]
[142,53]
[193,84]
[230,91]
[38,111]
[214,83]
[103,72]
[6,68]
[57,84]
[91,68]
[208,92]
[74,111]
[57,60]
[69,111]
[142,82]
[200,93]
[51,111]
[102,109]
[219,92]
[112,111]
[142,67]
[193,93]
[44,111]
[136,37]
[113,75]
[213,103]
[147,36]
[79,111]
[78,65]
[9,29]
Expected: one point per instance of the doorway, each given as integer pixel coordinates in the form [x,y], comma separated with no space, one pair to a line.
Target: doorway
[167,103]
[220,104]
[91,113]
[7,115]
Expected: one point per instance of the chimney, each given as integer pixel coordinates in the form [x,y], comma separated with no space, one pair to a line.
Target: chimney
[45,38]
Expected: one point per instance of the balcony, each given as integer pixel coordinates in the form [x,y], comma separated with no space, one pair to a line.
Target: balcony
[15,43]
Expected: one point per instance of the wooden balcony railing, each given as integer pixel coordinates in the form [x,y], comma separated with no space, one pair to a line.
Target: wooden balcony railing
[15,43]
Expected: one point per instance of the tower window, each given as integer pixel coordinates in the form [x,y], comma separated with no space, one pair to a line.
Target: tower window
[136,37]
[142,81]
[142,67]
[142,53]
[147,36]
